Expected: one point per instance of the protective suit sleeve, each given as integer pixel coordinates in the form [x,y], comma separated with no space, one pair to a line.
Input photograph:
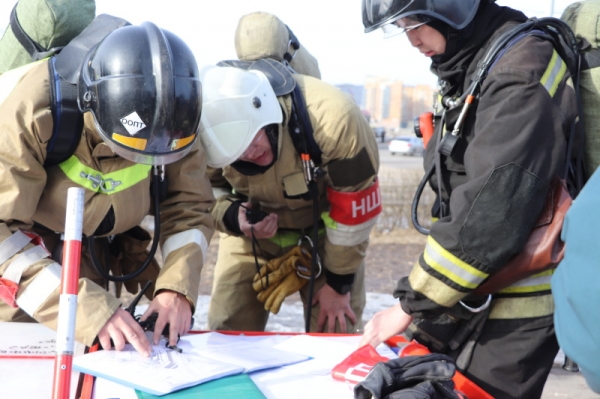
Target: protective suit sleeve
[350,157]
[38,279]
[26,123]
[186,224]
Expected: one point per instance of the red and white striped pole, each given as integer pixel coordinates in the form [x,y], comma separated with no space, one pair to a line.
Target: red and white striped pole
[67,308]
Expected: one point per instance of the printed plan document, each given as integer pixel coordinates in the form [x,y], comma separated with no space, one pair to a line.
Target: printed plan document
[204,357]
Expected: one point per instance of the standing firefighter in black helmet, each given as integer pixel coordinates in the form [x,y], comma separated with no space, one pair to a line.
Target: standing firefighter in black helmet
[492,176]
[140,95]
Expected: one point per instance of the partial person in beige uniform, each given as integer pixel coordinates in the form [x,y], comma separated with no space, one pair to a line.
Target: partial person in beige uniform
[246,129]
[126,145]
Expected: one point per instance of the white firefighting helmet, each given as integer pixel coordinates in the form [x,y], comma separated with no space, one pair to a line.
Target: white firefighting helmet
[236,104]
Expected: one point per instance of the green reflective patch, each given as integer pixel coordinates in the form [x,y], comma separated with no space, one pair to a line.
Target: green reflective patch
[110,183]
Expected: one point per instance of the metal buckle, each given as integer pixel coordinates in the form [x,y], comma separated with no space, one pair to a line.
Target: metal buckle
[306,272]
[105,185]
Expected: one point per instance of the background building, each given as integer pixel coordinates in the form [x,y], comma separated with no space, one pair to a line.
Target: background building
[389,103]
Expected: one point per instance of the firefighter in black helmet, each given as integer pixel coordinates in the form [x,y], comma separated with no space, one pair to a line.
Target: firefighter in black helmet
[140,95]
[491,179]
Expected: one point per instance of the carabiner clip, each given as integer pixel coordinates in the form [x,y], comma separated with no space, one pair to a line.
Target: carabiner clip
[479,309]
[306,273]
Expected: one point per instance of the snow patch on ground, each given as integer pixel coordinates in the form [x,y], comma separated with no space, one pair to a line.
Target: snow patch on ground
[290,317]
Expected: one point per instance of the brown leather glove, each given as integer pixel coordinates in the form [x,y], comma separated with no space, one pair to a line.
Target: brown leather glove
[279,278]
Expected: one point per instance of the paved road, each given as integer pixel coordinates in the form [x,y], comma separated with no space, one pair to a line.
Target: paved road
[398,161]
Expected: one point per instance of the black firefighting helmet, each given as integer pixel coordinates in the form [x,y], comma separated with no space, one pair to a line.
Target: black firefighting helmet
[141,85]
[456,13]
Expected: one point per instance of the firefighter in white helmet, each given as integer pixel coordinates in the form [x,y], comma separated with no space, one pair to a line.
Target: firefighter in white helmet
[246,130]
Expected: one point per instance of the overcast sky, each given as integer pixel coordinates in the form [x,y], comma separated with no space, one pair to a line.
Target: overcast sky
[331,30]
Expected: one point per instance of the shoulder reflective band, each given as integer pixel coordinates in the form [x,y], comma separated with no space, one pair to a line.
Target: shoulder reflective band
[109,183]
[355,208]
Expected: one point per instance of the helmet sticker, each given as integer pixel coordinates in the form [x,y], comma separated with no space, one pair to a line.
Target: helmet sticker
[133,123]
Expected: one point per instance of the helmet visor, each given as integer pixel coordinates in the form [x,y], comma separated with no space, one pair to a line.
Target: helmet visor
[457,14]
[403,25]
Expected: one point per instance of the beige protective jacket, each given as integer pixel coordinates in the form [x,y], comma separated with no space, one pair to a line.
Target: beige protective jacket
[32,194]
[350,158]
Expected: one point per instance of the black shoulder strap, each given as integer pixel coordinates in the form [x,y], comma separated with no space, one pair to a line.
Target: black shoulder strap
[64,69]
[35,51]
[301,129]
[68,120]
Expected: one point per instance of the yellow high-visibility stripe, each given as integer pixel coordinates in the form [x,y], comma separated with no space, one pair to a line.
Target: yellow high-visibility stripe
[290,238]
[110,183]
[554,73]
[521,308]
[434,289]
[537,282]
[452,267]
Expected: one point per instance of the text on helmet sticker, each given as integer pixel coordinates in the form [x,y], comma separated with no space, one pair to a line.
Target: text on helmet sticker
[133,123]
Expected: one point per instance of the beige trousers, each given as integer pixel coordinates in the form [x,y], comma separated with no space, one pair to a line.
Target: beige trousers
[233,304]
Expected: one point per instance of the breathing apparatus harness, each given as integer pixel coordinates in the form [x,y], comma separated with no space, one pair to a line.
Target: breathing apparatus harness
[567,47]
[158,191]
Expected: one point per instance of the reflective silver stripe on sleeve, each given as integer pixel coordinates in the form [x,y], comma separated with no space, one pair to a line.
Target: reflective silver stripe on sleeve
[451,267]
[22,262]
[42,286]
[12,245]
[182,239]
[537,282]
[348,236]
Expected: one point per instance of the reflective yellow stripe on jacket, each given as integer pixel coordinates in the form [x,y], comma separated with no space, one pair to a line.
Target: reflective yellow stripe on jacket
[452,268]
[110,183]
[554,73]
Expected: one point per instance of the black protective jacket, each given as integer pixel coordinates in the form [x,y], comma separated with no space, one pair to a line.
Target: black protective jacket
[495,183]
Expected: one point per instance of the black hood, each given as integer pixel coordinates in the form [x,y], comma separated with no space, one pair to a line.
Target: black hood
[463,47]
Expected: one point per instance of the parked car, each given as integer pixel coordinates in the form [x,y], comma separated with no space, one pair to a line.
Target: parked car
[406,146]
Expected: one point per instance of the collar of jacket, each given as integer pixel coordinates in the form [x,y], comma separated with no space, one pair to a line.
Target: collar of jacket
[489,22]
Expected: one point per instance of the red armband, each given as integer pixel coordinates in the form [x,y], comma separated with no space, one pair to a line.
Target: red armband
[355,208]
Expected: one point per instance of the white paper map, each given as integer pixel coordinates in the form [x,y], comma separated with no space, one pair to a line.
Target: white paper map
[205,357]
[164,371]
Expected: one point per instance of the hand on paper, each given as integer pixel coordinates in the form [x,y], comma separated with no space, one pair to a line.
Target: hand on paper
[266,228]
[333,307]
[173,308]
[384,325]
[122,328]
